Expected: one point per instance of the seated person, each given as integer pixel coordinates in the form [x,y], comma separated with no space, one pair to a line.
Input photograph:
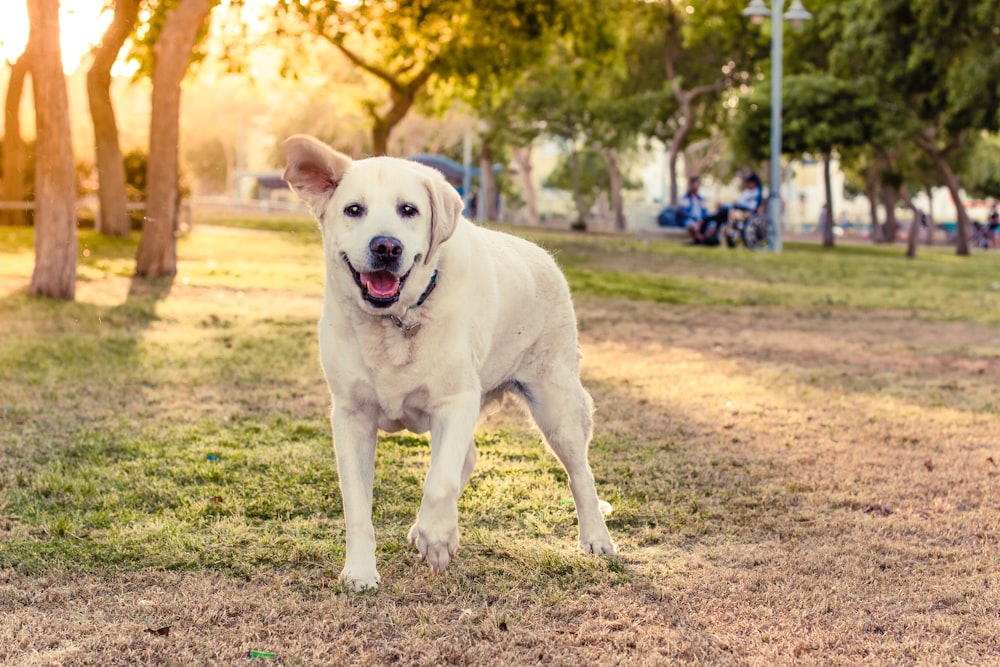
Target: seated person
[749,201]
[993,226]
[692,209]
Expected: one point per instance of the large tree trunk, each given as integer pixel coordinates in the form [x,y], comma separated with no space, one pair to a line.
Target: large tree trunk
[113,218]
[615,173]
[522,155]
[13,143]
[157,254]
[828,238]
[55,175]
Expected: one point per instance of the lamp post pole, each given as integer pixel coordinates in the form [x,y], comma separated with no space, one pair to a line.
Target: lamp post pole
[777,56]
[757,11]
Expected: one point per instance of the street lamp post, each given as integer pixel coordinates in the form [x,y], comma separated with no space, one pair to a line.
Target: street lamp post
[757,11]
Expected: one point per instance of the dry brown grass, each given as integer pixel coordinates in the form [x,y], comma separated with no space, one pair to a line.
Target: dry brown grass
[841,471]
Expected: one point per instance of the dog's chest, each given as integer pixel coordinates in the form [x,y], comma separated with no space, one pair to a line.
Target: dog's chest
[386,376]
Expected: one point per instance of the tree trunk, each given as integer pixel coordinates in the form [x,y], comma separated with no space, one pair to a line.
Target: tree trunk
[55,174]
[890,196]
[615,173]
[157,254]
[113,218]
[401,95]
[13,143]
[912,238]
[380,136]
[672,153]
[581,212]
[522,155]
[926,143]
[828,239]
[930,217]
[872,192]
[486,199]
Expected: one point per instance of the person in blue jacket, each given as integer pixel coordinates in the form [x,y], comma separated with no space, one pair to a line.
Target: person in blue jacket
[692,210]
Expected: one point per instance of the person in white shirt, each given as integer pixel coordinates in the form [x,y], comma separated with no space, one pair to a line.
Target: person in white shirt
[750,200]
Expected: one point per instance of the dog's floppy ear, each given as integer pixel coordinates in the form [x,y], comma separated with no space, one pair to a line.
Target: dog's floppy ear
[446,205]
[313,169]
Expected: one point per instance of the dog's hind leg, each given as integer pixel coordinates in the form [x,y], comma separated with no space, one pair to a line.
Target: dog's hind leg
[563,409]
[469,465]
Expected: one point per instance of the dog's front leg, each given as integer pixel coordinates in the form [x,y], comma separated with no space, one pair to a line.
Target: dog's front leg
[354,437]
[435,533]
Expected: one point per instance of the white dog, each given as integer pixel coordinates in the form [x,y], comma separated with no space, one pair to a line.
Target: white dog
[426,318]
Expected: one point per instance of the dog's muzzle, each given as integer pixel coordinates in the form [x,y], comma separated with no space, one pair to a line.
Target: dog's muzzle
[381,286]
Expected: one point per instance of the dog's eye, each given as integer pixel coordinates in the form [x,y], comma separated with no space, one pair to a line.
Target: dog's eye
[407,210]
[354,210]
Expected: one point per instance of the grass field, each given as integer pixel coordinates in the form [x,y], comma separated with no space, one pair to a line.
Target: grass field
[801,452]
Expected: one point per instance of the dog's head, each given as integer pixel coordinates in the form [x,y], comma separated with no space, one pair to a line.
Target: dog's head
[382,219]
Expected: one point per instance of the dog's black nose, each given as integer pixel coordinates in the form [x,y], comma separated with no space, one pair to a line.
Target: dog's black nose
[385,249]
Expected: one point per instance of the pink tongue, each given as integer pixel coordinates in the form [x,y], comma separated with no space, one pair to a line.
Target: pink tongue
[380,284]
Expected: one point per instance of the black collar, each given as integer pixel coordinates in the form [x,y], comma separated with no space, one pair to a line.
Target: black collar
[411,328]
[427,292]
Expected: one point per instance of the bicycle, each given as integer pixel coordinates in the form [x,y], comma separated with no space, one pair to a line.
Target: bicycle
[980,236]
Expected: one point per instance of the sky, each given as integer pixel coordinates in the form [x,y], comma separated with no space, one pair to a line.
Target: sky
[80,21]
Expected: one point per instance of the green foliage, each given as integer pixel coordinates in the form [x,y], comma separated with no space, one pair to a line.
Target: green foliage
[930,62]
[981,177]
[154,13]
[584,172]
[820,113]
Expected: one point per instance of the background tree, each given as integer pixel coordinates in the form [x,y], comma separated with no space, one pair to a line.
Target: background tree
[171,55]
[14,152]
[686,56]
[406,45]
[981,175]
[821,114]
[932,64]
[55,176]
[114,217]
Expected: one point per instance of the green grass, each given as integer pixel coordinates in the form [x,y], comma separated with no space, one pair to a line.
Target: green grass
[164,433]
[936,285]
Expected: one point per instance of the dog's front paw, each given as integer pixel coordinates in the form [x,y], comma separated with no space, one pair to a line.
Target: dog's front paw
[598,544]
[358,580]
[437,547]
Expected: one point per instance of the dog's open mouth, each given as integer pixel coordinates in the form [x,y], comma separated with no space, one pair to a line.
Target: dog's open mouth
[379,288]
